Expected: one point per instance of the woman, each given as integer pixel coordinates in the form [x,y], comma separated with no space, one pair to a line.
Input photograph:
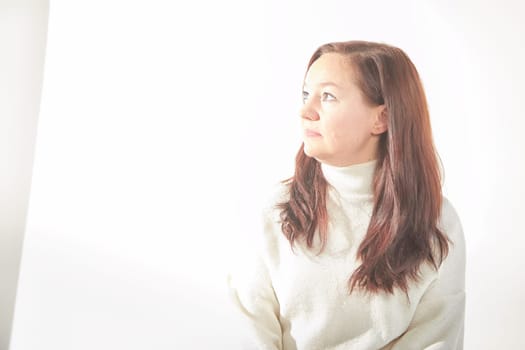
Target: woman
[359,250]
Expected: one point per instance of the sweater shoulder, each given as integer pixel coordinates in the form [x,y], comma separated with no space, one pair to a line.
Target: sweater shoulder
[452,270]
[260,232]
[277,194]
[262,221]
[450,223]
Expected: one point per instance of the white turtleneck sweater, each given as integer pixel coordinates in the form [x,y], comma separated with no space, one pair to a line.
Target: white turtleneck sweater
[299,300]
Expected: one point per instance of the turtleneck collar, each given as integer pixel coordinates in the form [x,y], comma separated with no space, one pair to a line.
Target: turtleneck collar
[353,181]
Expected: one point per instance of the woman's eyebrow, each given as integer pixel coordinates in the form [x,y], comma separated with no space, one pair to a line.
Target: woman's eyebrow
[325,83]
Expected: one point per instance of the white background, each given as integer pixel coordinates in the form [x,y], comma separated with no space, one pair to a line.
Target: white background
[163,123]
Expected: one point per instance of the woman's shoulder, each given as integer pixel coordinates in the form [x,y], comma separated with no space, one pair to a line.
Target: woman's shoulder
[264,213]
[450,222]
[276,194]
[453,267]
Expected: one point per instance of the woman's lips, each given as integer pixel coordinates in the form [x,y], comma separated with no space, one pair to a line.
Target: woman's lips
[311,133]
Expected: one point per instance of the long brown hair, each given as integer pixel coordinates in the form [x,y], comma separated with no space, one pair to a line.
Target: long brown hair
[403,232]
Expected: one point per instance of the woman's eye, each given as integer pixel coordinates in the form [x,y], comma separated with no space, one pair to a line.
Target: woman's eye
[328,97]
[305,96]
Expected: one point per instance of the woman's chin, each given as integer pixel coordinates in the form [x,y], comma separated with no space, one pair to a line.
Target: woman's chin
[309,151]
[312,152]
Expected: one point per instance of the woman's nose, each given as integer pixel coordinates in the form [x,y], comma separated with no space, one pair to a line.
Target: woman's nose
[307,112]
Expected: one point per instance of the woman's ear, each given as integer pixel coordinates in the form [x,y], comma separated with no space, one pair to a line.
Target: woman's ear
[380,121]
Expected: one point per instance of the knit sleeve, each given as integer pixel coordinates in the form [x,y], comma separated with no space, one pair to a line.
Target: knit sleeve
[253,296]
[439,317]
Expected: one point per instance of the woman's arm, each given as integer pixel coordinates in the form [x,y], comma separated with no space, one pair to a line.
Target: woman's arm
[253,296]
[255,301]
[439,316]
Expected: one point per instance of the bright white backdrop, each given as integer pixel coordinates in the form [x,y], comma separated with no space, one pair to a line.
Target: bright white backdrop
[163,123]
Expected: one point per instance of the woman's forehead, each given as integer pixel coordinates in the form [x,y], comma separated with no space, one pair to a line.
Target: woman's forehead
[330,69]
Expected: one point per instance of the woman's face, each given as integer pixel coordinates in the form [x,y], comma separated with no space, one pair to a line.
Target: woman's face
[340,127]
